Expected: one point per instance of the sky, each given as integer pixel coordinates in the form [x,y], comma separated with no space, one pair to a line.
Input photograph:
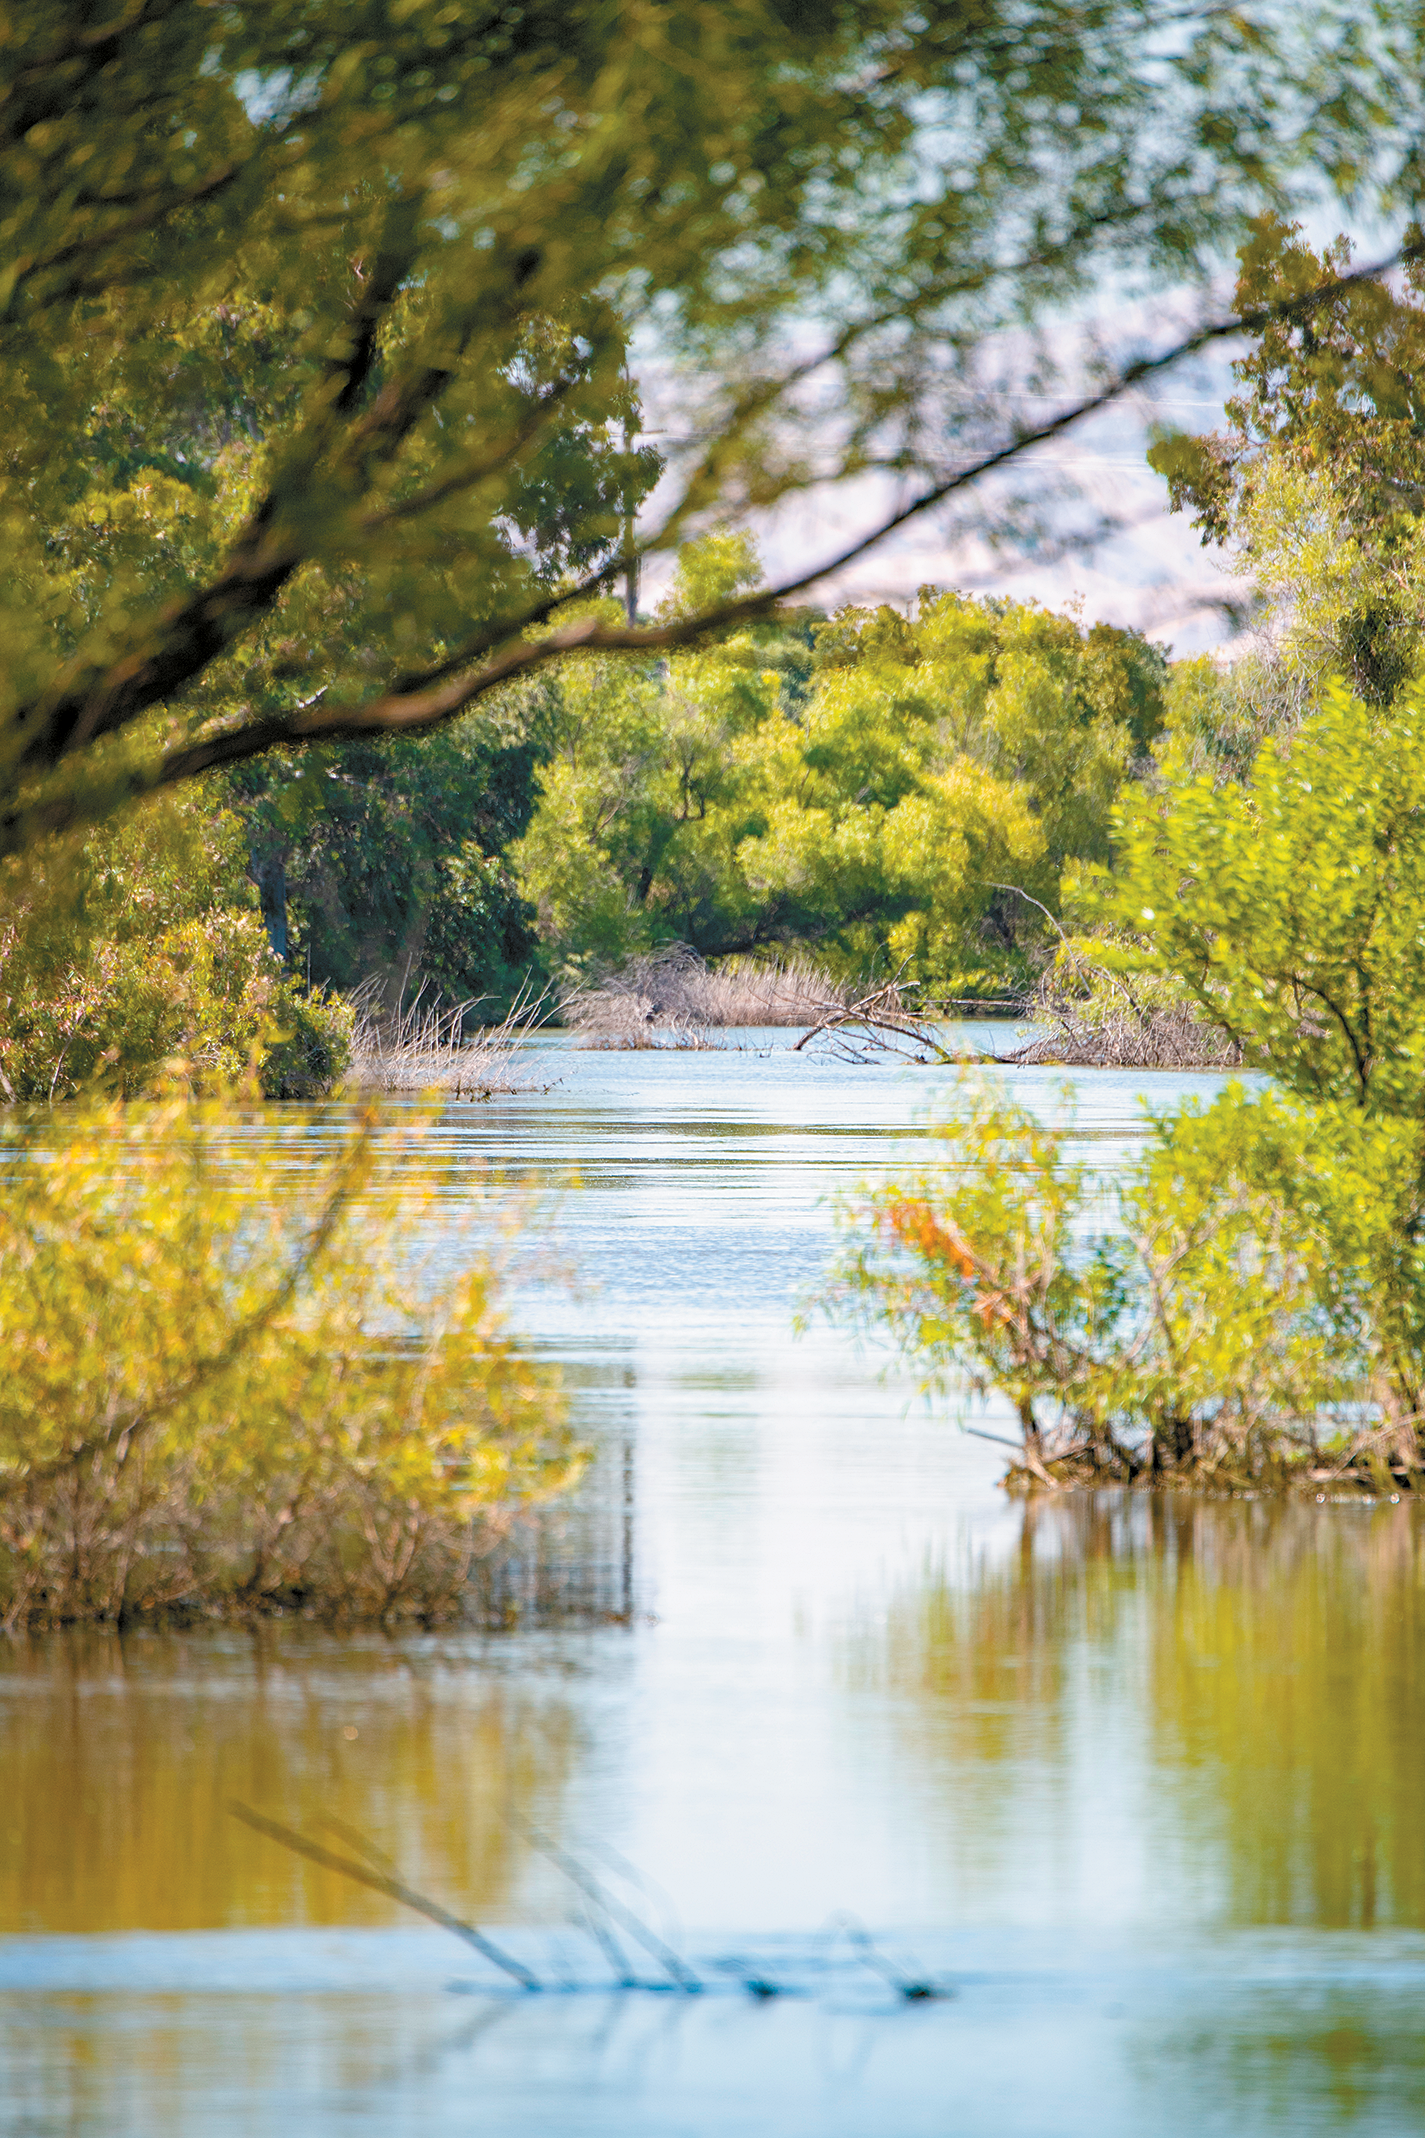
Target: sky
[1152,573]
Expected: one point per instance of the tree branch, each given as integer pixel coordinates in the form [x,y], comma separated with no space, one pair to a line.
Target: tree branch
[87,701]
[412,707]
[151,212]
[198,629]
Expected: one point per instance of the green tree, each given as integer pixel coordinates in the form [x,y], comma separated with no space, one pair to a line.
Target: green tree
[907,796]
[1252,1309]
[1292,905]
[423,242]
[1318,480]
[382,862]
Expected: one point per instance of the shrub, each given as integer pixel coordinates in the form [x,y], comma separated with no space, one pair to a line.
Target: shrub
[142,948]
[226,1391]
[1244,1308]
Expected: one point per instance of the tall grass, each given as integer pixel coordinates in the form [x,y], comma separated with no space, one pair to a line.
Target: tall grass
[422,1046]
[672,997]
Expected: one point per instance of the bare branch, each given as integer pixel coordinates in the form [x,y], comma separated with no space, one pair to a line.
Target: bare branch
[392,1887]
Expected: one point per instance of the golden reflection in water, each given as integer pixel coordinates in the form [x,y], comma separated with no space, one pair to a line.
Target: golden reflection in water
[119,1756]
[1292,2061]
[1261,1663]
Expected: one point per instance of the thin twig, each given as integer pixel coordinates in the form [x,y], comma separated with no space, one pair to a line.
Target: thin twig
[393,1888]
[608,1902]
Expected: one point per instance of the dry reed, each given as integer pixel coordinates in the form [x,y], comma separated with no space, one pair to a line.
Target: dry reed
[422,1046]
[673,998]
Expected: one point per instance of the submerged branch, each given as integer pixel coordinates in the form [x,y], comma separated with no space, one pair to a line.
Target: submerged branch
[394,1889]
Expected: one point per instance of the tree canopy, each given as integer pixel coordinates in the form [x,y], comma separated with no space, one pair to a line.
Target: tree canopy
[1318,479]
[317,322]
[900,791]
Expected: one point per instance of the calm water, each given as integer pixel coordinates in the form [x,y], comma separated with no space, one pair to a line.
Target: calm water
[1140,1782]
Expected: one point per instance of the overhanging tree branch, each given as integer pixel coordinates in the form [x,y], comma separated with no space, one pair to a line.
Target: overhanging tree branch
[414,705]
[89,702]
[189,637]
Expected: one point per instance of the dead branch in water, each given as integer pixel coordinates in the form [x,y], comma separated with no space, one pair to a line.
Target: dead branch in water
[608,1903]
[394,1889]
[884,1023]
[673,999]
[1163,1036]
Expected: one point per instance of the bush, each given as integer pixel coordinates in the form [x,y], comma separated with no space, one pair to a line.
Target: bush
[141,949]
[1244,1309]
[226,1392]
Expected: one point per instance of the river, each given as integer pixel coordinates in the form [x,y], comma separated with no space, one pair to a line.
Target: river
[1136,1783]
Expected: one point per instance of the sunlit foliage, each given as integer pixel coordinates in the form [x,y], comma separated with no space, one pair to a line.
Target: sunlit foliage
[1292,904]
[1169,1326]
[138,954]
[906,802]
[226,1388]
[1250,1304]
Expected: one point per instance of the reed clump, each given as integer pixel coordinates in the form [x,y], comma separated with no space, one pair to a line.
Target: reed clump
[424,1045]
[229,1390]
[673,996]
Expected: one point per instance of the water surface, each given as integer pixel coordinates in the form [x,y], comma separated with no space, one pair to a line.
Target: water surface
[1139,1780]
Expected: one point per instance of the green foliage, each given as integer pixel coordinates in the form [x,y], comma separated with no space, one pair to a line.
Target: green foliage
[383,861]
[227,1390]
[1292,905]
[890,811]
[1336,391]
[1252,1305]
[315,321]
[1319,478]
[139,955]
[1217,719]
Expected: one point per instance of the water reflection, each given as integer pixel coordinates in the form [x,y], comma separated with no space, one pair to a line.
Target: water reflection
[1223,1700]
[1141,1776]
[120,1755]
[1336,2061]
